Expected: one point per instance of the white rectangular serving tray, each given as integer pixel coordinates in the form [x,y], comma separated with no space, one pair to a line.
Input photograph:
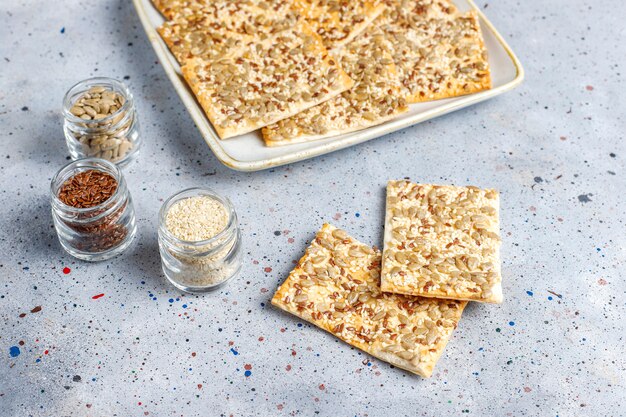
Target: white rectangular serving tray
[248,153]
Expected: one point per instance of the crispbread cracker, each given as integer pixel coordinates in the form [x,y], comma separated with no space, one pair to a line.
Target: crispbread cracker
[266,82]
[439,52]
[374,98]
[188,38]
[210,30]
[339,21]
[239,16]
[442,241]
[171,9]
[335,286]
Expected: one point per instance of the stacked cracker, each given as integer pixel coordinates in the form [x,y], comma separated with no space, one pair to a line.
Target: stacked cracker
[310,69]
[441,250]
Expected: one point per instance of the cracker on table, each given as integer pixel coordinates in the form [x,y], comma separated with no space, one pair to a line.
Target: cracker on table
[439,52]
[211,30]
[442,241]
[339,21]
[266,81]
[374,98]
[335,286]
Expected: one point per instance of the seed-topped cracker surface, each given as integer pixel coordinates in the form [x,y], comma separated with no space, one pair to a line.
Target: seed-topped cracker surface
[374,98]
[171,9]
[442,242]
[339,21]
[210,30]
[438,51]
[239,16]
[336,287]
[266,82]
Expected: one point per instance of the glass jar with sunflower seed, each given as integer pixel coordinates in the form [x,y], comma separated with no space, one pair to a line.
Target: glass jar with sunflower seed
[101,121]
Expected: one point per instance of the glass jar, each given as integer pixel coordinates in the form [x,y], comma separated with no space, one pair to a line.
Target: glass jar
[99,232]
[114,137]
[203,265]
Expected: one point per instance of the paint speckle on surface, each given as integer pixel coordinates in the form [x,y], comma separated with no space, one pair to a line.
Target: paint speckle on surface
[95,297]
[357,214]
[36,309]
[267,269]
[14,351]
[62,30]
[589,88]
[511,323]
[66,270]
[584,198]
[234,352]
[247,373]
[498,329]
[602,281]
[529,293]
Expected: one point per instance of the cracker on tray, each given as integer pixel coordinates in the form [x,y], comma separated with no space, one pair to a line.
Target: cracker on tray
[374,98]
[442,241]
[171,9]
[266,82]
[189,38]
[439,52]
[339,21]
[233,13]
[210,30]
[335,286]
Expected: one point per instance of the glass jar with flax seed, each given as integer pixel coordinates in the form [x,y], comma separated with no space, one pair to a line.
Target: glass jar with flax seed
[101,121]
[92,209]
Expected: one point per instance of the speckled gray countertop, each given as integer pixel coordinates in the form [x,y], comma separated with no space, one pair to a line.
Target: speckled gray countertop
[554,147]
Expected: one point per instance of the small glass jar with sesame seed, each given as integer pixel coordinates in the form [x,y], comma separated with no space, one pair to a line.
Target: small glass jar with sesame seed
[199,240]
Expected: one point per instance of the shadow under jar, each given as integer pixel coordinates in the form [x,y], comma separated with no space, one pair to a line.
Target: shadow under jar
[101,121]
[202,265]
[92,232]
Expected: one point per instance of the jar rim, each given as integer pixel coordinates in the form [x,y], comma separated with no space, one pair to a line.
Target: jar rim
[88,163]
[194,192]
[79,88]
